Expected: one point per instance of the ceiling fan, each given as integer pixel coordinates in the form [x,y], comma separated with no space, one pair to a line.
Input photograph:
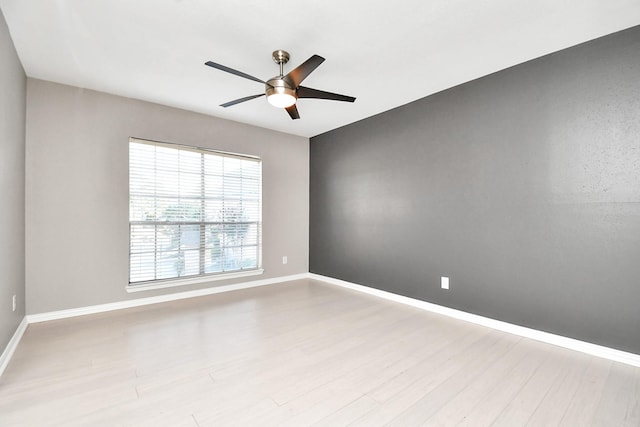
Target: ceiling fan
[283,91]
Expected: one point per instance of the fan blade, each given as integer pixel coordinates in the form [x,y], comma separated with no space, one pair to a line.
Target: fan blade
[238,101]
[298,74]
[232,71]
[307,92]
[293,112]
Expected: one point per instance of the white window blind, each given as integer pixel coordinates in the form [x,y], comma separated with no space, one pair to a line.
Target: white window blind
[192,212]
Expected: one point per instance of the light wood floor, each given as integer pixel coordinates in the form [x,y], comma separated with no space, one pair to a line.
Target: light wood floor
[302,353]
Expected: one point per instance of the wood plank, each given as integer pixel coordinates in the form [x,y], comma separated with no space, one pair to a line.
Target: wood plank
[590,390]
[349,413]
[618,397]
[520,409]
[433,372]
[479,361]
[454,410]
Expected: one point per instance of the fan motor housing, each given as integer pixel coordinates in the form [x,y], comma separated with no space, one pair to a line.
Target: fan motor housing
[277,85]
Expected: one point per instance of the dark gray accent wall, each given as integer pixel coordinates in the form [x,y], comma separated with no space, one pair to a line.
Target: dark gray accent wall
[12,188]
[523,187]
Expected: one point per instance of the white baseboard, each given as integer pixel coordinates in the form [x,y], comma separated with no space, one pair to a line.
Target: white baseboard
[101,308]
[570,343]
[12,345]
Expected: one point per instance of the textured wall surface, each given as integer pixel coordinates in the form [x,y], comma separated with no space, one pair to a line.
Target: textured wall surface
[12,127]
[78,191]
[522,186]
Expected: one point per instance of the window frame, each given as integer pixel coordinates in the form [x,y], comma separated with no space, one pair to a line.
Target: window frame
[202,276]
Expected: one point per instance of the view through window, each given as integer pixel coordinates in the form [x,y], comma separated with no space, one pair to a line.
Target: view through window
[192,212]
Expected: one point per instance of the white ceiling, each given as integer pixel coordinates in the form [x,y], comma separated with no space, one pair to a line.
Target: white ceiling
[385,53]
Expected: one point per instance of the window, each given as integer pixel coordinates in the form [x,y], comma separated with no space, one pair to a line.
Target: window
[192,212]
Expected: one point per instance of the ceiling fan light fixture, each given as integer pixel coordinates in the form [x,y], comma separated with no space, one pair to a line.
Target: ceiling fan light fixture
[281,96]
[281,100]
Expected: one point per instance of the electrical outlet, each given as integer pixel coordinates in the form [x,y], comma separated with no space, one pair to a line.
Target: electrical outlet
[444,282]
[284,259]
[14,303]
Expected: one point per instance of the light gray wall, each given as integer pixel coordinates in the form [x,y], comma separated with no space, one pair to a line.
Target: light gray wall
[12,127]
[77,191]
[523,187]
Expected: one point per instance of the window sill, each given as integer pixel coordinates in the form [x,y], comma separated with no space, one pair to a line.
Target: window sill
[190,281]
